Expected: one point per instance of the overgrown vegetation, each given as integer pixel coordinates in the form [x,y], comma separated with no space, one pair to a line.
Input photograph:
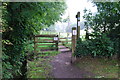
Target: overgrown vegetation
[104,41]
[99,52]
[22,20]
[101,46]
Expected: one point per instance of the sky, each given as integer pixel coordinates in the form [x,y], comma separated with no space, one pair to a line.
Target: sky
[78,5]
[73,6]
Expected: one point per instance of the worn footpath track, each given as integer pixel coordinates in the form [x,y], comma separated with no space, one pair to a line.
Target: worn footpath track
[62,67]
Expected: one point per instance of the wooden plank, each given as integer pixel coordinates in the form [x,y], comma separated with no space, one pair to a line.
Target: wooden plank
[45,39]
[69,38]
[43,42]
[66,38]
[62,38]
[65,41]
[45,36]
[47,48]
[68,44]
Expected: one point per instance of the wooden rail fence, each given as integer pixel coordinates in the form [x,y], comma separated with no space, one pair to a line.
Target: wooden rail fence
[65,39]
[41,42]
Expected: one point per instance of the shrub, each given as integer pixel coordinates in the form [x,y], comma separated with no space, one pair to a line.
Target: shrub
[100,46]
[82,48]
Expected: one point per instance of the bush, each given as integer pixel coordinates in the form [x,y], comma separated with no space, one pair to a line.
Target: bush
[100,46]
[82,48]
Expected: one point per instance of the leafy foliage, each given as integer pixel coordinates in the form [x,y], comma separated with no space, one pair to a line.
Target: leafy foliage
[105,24]
[101,46]
[20,22]
[106,20]
[82,48]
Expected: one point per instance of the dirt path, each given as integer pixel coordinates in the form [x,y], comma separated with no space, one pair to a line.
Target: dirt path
[62,68]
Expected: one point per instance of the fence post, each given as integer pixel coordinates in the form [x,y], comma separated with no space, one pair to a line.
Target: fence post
[59,34]
[57,43]
[74,36]
[67,38]
[35,45]
[78,25]
[56,40]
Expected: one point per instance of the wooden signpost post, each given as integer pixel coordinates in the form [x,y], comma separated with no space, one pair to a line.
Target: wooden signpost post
[74,36]
[78,25]
[56,42]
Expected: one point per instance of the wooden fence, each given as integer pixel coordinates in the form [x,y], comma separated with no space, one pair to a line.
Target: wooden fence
[65,38]
[45,42]
[66,41]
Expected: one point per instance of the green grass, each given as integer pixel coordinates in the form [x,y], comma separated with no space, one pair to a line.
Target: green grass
[41,67]
[100,67]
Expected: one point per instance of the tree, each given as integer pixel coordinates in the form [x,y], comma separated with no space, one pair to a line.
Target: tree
[107,18]
[20,22]
[106,28]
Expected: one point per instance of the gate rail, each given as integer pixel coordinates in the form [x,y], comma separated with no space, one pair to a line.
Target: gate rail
[42,40]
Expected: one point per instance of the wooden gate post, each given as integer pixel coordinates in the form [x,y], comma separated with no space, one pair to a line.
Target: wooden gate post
[57,44]
[74,36]
[59,34]
[78,25]
[56,40]
[67,38]
[35,45]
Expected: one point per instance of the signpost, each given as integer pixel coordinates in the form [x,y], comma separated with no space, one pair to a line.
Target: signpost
[74,36]
[78,25]
[56,41]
